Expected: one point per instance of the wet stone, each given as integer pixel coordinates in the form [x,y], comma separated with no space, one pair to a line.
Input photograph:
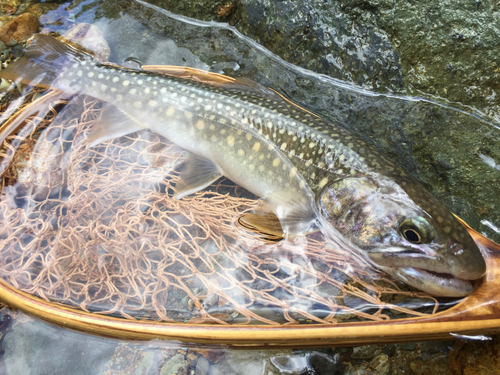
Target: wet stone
[9,7]
[202,367]
[89,37]
[19,29]
[325,364]
[436,364]
[192,358]
[381,364]
[475,357]
[365,352]
[176,365]
[29,347]
[409,346]
[17,51]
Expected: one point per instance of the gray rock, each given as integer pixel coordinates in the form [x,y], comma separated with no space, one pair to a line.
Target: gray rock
[202,367]
[176,365]
[244,362]
[38,348]
[325,364]
[380,364]
[364,352]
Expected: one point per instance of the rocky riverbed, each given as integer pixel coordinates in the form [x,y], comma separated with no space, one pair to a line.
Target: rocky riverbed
[367,62]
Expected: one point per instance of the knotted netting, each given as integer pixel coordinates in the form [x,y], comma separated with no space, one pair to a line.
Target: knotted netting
[96,228]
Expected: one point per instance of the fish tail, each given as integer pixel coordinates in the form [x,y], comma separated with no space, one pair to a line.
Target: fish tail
[44,60]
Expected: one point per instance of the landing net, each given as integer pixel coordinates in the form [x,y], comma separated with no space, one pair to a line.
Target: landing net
[97,229]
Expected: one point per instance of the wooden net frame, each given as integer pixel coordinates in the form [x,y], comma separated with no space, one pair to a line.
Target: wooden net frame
[95,235]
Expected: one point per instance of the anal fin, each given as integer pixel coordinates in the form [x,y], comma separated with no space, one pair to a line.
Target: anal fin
[197,173]
[112,123]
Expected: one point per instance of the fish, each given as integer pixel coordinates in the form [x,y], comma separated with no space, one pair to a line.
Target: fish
[309,172]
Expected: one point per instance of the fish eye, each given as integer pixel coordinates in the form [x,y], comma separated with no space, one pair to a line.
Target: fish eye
[412,235]
[417,230]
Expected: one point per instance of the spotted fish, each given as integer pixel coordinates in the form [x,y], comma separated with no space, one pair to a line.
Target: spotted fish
[309,172]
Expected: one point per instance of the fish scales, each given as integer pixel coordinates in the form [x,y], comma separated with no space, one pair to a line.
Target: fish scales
[308,141]
[310,172]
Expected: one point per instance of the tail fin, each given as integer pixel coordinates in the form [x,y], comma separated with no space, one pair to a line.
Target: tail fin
[45,58]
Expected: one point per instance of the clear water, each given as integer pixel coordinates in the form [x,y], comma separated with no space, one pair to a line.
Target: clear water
[140,32]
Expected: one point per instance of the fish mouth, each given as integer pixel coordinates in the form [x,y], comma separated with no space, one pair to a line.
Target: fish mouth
[434,283]
[429,274]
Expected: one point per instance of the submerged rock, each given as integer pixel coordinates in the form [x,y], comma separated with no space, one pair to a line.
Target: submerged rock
[9,6]
[176,365]
[89,37]
[19,29]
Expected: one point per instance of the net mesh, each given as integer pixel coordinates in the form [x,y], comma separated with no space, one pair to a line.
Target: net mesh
[97,229]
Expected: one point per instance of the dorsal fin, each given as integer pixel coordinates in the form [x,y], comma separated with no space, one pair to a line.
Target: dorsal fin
[219,80]
[213,79]
[193,74]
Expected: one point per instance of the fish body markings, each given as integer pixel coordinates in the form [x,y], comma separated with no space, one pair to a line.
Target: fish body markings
[310,171]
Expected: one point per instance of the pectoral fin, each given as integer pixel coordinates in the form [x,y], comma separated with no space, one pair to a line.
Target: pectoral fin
[262,221]
[197,174]
[112,123]
[293,210]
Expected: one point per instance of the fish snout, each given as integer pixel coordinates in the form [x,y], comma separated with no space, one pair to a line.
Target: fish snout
[466,263]
[472,270]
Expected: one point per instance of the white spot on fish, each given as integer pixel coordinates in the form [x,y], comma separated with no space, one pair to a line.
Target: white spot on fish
[132,91]
[276,162]
[79,73]
[188,114]
[116,79]
[230,140]
[138,104]
[153,103]
[241,152]
[323,182]
[90,74]
[125,83]
[200,125]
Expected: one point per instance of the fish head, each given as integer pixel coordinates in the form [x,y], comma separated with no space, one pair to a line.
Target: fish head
[406,232]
